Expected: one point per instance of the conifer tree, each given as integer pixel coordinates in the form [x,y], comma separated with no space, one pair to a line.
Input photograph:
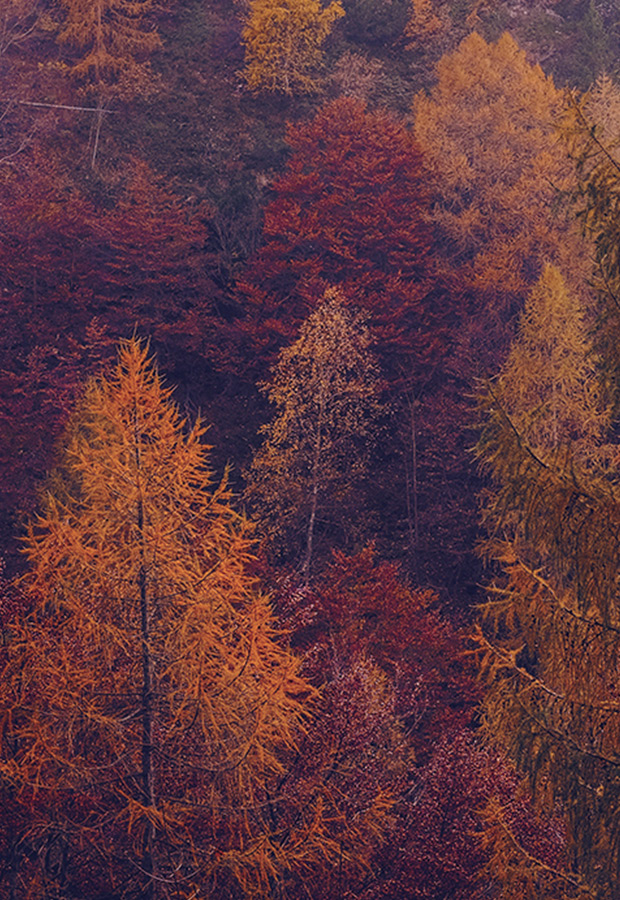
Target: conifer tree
[109,43]
[283,41]
[549,386]
[112,41]
[596,151]
[325,387]
[145,699]
[551,624]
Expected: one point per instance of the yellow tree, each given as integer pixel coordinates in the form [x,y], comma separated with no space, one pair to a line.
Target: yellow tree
[549,386]
[283,41]
[146,700]
[549,637]
[498,169]
[326,389]
[427,22]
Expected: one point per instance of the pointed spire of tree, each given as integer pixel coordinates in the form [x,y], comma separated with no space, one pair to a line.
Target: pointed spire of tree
[549,386]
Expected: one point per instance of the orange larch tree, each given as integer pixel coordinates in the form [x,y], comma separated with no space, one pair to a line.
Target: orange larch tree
[146,701]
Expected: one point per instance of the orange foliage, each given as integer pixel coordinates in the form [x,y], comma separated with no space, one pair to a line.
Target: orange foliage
[146,701]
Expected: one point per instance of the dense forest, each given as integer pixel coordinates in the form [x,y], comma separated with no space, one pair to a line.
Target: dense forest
[310,494]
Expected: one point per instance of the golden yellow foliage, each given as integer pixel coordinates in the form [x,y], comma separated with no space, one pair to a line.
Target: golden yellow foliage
[283,41]
[549,386]
[498,167]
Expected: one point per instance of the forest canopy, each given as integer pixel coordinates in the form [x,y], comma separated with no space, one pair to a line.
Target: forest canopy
[309,389]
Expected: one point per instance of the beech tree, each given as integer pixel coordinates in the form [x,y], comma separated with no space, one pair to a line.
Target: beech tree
[283,41]
[326,390]
[349,213]
[146,701]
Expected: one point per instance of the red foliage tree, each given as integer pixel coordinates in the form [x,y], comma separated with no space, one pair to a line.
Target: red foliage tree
[366,636]
[347,212]
[365,602]
[154,255]
[134,255]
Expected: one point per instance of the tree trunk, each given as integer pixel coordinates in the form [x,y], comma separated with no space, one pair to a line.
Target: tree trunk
[148,788]
[412,484]
[315,493]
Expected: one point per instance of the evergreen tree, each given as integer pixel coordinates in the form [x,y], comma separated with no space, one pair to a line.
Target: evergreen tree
[146,702]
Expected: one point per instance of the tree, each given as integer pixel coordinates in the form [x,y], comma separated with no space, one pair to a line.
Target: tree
[72,268]
[112,40]
[548,644]
[326,389]
[348,213]
[550,634]
[549,385]
[597,159]
[153,257]
[427,22]
[146,702]
[498,169]
[283,41]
